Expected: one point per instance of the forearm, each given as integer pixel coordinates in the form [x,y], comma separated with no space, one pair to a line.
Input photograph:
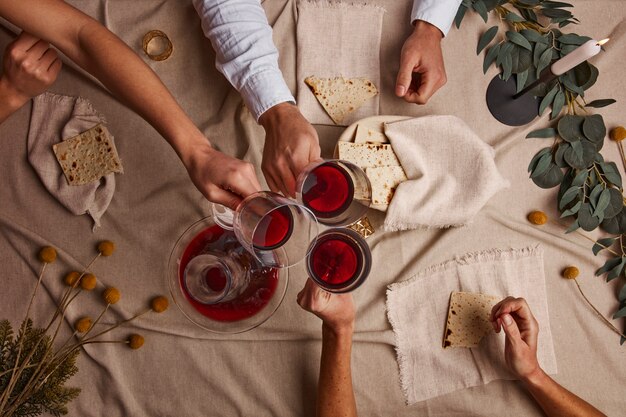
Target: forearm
[10,102]
[555,400]
[439,13]
[335,396]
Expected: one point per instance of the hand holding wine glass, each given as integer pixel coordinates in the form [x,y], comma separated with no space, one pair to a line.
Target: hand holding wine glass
[337,311]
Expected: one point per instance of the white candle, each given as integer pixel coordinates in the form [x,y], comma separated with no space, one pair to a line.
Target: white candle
[577,56]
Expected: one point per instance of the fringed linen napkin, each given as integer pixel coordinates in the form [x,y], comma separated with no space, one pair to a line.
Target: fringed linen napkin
[54,118]
[451,173]
[337,40]
[417,309]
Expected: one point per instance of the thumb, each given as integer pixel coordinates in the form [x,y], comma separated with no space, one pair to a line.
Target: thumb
[405,75]
[510,329]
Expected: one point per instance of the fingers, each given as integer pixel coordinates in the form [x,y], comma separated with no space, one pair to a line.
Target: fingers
[512,305]
[38,49]
[223,197]
[510,329]
[25,41]
[429,84]
[405,74]
[48,58]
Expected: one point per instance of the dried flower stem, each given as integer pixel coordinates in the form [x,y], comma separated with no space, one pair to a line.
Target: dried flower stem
[621,152]
[608,323]
[95,322]
[587,237]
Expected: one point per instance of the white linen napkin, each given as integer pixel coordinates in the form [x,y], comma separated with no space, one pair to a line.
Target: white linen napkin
[337,39]
[417,309]
[451,173]
[54,118]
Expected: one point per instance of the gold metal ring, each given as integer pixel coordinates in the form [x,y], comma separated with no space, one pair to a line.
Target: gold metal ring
[167,51]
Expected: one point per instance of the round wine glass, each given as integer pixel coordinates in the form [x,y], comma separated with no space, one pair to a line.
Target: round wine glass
[276,230]
[336,191]
[339,261]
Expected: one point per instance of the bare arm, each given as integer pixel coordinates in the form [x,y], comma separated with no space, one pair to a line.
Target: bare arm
[520,351]
[104,55]
[335,395]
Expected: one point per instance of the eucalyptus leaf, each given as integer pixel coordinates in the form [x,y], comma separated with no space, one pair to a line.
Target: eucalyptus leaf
[538,50]
[569,84]
[600,103]
[594,128]
[570,212]
[595,193]
[542,165]
[570,128]
[592,79]
[616,224]
[547,100]
[507,67]
[608,265]
[557,104]
[580,155]
[555,4]
[556,13]
[569,196]
[522,60]
[551,178]
[548,132]
[518,39]
[521,80]
[611,173]
[481,10]
[490,56]
[505,50]
[602,244]
[486,38]
[559,155]
[622,294]
[603,202]
[616,203]
[615,272]
[544,61]
[621,313]
[533,36]
[580,178]
[460,14]
[512,17]
[538,155]
[572,227]
[573,39]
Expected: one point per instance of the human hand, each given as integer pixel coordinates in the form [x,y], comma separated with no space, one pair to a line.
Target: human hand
[422,71]
[220,178]
[291,143]
[30,66]
[337,311]
[521,330]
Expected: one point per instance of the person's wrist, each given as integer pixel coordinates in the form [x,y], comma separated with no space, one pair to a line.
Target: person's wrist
[273,115]
[534,378]
[423,27]
[10,96]
[192,147]
[338,330]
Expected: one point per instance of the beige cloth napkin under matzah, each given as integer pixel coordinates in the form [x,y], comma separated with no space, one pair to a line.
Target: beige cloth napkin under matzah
[451,173]
[337,40]
[54,118]
[418,307]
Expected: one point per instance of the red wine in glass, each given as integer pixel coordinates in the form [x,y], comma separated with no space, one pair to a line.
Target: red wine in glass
[328,190]
[274,229]
[339,261]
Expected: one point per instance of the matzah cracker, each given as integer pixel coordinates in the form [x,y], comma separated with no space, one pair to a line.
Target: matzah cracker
[384,181]
[340,96]
[88,157]
[468,319]
[365,155]
[370,133]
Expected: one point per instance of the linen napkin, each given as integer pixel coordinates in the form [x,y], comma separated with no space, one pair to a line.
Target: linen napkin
[337,40]
[451,173]
[54,118]
[417,309]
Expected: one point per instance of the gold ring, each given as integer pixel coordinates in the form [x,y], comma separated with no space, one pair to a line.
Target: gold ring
[168,48]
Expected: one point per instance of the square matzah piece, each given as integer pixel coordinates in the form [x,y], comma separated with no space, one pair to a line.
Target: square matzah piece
[89,156]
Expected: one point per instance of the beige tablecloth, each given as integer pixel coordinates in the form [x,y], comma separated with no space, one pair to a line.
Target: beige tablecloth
[272,371]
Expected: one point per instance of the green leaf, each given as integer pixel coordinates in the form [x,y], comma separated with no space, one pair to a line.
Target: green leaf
[569,196]
[533,36]
[542,165]
[481,10]
[535,160]
[521,80]
[490,56]
[570,128]
[600,103]
[460,14]
[615,272]
[544,61]
[569,84]
[548,132]
[621,313]
[547,100]
[603,201]
[557,104]
[595,193]
[505,50]
[616,203]
[592,78]
[540,48]
[608,265]
[580,178]
[507,67]
[551,178]
[556,13]
[616,224]
[572,227]
[586,220]
[572,211]
[518,39]
[555,4]
[522,60]
[486,38]
[559,155]
[573,39]
[512,17]
[622,294]
[611,173]
[602,244]
[593,128]
[581,154]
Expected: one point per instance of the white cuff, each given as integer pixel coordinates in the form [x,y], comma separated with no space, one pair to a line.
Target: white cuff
[439,13]
[265,90]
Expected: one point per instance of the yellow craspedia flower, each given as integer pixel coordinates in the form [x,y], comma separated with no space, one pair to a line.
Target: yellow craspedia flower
[537,217]
[71,278]
[159,304]
[135,341]
[106,248]
[571,272]
[111,295]
[618,134]
[83,325]
[47,254]
[88,282]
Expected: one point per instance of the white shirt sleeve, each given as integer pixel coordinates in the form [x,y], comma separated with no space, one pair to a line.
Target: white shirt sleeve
[439,13]
[245,51]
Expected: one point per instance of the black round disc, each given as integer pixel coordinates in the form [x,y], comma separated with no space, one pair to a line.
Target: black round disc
[505,108]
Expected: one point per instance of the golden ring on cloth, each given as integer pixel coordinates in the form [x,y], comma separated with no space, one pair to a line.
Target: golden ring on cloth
[167,49]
